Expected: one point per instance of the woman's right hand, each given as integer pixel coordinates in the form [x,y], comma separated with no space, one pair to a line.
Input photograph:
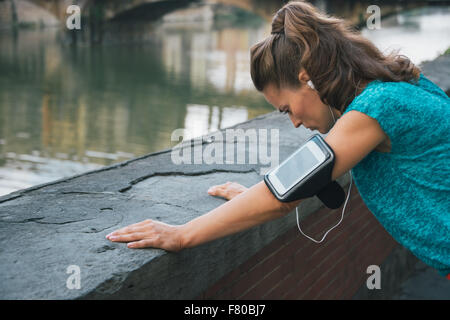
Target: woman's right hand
[227,190]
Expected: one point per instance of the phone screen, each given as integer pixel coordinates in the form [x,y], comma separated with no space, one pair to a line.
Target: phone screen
[297,167]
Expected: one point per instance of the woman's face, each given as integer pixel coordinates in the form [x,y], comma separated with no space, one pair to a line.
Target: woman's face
[303,105]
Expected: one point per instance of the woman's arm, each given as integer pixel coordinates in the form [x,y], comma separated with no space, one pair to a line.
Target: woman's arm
[252,207]
[351,138]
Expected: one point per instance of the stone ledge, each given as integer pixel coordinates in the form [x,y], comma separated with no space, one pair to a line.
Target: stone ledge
[437,71]
[46,228]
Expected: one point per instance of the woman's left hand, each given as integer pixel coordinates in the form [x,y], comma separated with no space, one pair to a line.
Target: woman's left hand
[149,233]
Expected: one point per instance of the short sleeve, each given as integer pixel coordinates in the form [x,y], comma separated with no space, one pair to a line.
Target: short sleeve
[379,102]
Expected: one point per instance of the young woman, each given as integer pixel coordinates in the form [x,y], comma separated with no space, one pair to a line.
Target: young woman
[393,131]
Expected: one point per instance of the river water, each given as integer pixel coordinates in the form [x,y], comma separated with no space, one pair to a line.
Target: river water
[68,109]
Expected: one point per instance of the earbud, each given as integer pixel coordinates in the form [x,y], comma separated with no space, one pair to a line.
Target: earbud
[309,83]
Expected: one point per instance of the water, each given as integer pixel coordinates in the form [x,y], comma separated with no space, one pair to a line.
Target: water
[66,110]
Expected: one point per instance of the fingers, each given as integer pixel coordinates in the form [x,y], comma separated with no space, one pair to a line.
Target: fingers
[149,233]
[138,235]
[132,228]
[127,237]
[140,244]
[223,190]
[227,190]
[218,189]
[214,190]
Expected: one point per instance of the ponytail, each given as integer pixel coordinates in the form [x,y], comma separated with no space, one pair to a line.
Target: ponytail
[335,56]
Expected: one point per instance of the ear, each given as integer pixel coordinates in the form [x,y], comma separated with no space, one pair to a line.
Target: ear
[303,76]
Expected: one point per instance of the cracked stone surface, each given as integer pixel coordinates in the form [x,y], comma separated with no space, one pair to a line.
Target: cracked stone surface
[47,228]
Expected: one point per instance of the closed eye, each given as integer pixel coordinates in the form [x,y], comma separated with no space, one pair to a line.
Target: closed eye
[284,111]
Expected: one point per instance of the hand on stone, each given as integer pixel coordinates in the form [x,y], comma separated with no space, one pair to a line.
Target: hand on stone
[227,190]
[149,233]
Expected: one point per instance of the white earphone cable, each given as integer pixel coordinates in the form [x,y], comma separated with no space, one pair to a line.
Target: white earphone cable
[343,209]
[342,216]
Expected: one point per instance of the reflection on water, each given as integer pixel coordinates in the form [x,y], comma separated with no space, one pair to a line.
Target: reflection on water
[69,109]
[421,34]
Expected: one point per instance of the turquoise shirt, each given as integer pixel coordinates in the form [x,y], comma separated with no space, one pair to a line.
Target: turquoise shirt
[408,189]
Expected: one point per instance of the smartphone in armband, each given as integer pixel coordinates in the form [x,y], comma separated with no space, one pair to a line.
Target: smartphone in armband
[305,173]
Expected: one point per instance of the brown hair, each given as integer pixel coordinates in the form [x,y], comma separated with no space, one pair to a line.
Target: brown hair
[336,57]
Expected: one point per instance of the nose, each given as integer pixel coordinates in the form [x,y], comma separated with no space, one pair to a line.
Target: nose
[297,123]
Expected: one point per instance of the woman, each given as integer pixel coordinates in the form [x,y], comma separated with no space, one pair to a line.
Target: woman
[392,130]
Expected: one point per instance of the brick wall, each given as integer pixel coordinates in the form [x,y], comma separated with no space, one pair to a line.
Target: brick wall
[294,267]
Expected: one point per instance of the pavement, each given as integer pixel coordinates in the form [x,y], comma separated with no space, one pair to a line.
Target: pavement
[425,283]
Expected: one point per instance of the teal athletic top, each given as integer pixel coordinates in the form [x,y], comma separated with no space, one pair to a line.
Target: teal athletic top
[408,189]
